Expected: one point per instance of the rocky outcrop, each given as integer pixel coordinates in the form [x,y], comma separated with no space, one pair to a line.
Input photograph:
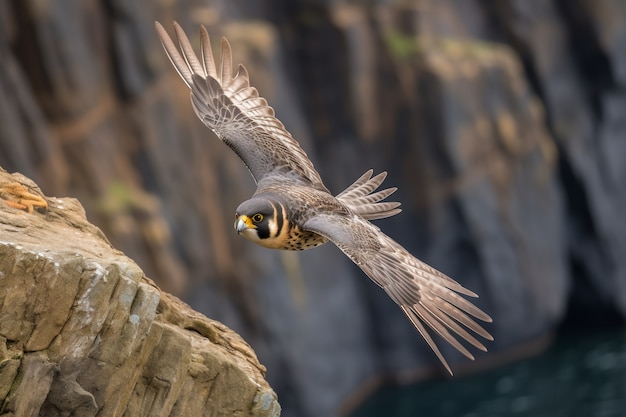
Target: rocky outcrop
[83,332]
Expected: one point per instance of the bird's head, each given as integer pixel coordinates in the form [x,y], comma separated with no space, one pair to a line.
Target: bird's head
[259,220]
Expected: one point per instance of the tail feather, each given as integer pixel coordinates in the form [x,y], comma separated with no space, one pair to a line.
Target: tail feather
[361,200]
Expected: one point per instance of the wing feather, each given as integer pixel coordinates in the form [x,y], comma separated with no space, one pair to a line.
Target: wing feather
[226,64]
[188,54]
[228,105]
[361,199]
[418,323]
[435,323]
[429,298]
[208,60]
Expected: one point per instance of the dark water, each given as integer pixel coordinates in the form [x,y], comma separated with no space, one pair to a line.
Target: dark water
[580,375]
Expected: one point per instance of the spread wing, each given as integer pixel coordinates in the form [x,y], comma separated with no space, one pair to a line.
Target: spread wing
[427,297]
[230,107]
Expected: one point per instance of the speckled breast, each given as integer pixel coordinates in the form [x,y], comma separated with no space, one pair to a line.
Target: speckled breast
[299,239]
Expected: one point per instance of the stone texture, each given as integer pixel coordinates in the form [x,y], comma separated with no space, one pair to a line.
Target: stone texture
[578,73]
[83,332]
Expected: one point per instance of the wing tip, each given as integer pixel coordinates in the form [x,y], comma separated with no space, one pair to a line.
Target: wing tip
[204,34]
[180,32]
[380,177]
[227,50]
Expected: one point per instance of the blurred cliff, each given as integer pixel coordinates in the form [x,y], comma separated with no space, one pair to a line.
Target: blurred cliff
[503,123]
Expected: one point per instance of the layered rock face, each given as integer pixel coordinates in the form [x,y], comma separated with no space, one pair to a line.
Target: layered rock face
[83,332]
[502,124]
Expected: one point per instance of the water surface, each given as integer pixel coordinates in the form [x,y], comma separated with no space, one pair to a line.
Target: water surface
[580,375]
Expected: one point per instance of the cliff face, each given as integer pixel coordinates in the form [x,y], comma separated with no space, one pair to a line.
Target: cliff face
[502,124]
[83,332]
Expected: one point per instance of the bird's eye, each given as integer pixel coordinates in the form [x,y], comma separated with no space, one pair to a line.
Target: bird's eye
[257,218]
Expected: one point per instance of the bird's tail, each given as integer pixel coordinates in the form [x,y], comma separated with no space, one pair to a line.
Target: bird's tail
[360,199]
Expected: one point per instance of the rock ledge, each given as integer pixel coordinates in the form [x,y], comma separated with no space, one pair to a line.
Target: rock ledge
[83,332]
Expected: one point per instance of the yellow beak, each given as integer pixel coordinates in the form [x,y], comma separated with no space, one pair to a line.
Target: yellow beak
[242,223]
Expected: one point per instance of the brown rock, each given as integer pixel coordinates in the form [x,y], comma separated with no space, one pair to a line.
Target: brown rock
[83,331]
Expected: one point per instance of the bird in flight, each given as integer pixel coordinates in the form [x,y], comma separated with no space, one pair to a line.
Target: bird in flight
[293,210]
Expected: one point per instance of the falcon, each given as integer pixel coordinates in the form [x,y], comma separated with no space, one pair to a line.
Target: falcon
[293,210]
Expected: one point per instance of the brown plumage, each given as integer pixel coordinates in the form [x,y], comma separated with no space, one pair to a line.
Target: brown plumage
[293,210]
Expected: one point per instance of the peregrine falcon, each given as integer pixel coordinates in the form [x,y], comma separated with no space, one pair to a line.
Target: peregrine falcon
[293,210]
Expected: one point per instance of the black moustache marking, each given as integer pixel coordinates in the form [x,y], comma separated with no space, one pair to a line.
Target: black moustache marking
[263,230]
